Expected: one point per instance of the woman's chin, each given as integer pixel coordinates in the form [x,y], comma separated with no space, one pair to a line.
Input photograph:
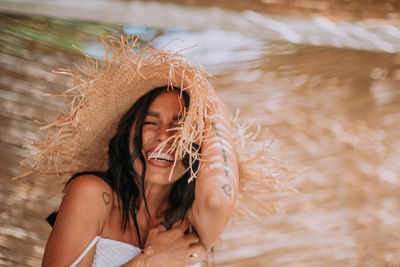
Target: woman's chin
[159,175]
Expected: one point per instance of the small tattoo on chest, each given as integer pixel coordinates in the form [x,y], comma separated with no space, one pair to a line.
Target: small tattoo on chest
[106,198]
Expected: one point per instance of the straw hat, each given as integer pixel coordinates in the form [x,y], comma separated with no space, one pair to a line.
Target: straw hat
[101,94]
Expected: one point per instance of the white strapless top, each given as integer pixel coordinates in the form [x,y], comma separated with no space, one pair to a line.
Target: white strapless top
[111,253]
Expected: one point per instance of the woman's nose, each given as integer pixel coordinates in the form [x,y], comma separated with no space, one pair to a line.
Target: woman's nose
[164,133]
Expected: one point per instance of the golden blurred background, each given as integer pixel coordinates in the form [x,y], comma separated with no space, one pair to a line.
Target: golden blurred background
[323,77]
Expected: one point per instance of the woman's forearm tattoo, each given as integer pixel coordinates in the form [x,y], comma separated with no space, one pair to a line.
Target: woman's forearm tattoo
[106,198]
[222,149]
[227,189]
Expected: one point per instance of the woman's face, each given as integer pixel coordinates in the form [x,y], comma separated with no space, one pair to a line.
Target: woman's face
[163,114]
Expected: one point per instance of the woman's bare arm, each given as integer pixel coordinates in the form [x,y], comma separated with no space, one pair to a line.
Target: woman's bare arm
[217,182]
[82,216]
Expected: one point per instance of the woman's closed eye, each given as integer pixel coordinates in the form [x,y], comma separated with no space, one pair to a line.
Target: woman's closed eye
[149,123]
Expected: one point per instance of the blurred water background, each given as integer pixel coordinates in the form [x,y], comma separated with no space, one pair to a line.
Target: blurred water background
[322,76]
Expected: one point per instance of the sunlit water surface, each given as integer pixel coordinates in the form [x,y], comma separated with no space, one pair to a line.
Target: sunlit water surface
[334,113]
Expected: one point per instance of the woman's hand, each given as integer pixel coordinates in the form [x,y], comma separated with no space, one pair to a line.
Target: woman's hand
[171,247]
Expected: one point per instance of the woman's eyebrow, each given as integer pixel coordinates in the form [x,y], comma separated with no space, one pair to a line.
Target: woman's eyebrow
[153,114]
[157,115]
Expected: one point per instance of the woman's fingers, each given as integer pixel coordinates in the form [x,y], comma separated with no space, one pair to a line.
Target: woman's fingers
[148,251]
[179,253]
[154,231]
[191,238]
[196,250]
[162,228]
[191,261]
[162,245]
[183,225]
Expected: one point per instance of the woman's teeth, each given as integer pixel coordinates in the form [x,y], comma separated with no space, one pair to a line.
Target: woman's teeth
[161,157]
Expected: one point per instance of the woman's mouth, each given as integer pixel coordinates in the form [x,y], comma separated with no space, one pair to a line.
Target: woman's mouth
[160,159]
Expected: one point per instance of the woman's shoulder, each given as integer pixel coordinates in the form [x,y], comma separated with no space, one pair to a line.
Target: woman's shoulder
[89,190]
[83,212]
[88,182]
[86,204]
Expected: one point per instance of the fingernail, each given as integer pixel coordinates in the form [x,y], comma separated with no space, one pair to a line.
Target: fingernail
[148,251]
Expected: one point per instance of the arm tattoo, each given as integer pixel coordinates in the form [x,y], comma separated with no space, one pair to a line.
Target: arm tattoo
[222,148]
[227,189]
[106,198]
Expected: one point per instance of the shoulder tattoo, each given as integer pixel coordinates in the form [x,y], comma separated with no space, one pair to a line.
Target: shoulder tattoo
[106,198]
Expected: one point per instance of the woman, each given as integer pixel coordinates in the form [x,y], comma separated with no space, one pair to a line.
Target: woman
[134,206]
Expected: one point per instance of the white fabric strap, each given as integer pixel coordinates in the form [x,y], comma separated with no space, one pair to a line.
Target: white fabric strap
[94,241]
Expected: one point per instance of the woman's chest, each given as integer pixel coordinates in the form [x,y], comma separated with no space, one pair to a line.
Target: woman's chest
[114,229]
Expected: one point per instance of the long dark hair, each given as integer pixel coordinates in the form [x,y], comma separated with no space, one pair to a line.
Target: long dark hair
[128,184]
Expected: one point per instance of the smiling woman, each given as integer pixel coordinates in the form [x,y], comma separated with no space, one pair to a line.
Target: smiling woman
[158,187]
[150,149]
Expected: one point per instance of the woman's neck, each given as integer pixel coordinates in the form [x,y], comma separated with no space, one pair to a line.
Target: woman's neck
[156,198]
